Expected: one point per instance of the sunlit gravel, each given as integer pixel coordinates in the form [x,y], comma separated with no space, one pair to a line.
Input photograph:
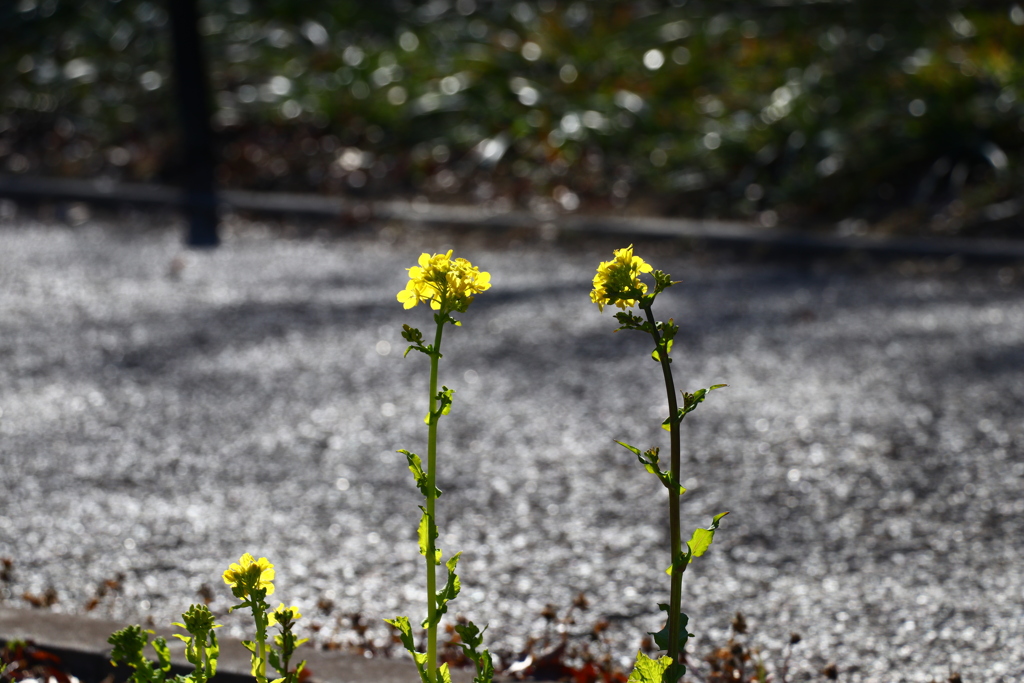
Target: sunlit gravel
[165,411]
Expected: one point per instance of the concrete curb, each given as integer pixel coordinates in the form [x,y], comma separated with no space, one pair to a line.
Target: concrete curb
[735,233]
[83,641]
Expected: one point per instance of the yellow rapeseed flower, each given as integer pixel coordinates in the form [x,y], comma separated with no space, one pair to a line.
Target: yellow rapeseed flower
[447,284]
[619,278]
[249,574]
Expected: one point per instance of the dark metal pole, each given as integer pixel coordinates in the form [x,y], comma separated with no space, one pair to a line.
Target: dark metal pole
[193,92]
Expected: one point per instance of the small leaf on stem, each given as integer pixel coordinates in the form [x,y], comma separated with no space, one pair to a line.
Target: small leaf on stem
[701,539]
[428,532]
[416,467]
[661,637]
[444,398]
[630,321]
[662,281]
[690,403]
[448,593]
[652,463]
[405,635]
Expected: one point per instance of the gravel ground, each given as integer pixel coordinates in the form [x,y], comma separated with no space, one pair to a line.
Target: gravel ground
[165,411]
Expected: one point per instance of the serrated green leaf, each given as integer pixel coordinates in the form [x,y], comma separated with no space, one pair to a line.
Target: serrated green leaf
[405,635]
[647,670]
[701,539]
[484,669]
[416,467]
[652,463]
[404,630]
[630,321]
[444,398]
[470,635]
[444,675]
[662,281]
[448,592]
[212,653]
[426,526]
[472,638]
[656,355]
[415,338]
[258,668]
[661,637]
[163,654]
[411,334]
[690,403]
[418,473]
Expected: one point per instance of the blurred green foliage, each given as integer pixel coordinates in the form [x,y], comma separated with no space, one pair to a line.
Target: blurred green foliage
[904,114]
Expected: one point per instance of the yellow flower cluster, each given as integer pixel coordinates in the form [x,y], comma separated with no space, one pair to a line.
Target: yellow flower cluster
[250,574]
[618,278]
[447,284]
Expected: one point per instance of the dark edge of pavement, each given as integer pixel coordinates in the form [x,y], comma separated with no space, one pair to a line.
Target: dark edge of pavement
[81,643]
[726,232]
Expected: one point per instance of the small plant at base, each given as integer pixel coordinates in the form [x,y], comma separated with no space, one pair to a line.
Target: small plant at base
[448,286]
[618,283]
[251,581]
[287,642]
[201,648]
[129,645]
[472,638]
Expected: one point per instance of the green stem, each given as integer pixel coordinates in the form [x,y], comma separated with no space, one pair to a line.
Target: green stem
[675,533]
[204,658]
[286,654]
[259,615]
[263,662]
[432,531]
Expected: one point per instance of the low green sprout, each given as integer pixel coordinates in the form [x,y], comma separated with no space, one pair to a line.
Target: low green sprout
[251,581]
[618,283]
[448,285]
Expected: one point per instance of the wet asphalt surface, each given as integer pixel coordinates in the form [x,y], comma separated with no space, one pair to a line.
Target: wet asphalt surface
[165,411]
